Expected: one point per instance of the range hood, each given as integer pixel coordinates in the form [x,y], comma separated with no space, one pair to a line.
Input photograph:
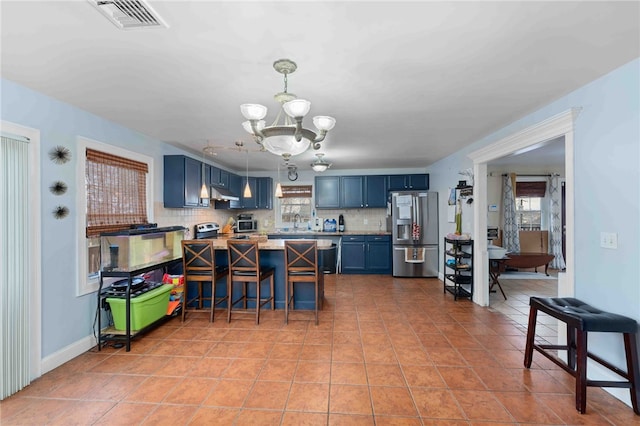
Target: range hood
[222,194]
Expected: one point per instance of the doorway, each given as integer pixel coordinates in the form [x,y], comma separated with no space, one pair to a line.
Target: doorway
[560,125]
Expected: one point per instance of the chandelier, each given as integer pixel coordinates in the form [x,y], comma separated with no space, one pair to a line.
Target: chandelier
[286,136]
[320,165]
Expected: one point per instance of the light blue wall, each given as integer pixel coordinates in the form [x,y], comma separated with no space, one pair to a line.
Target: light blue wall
[66,318]
[607,192]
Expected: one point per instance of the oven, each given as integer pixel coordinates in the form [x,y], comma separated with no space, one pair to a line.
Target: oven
[206,230]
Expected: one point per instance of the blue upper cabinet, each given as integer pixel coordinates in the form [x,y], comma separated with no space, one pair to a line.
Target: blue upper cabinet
[352,191]
[183,178]
[327,192]
[408,182]
[219,177]
[265,193]
[375,191]
[250,202]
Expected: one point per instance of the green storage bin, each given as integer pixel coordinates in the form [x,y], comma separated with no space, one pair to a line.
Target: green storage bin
[145,309]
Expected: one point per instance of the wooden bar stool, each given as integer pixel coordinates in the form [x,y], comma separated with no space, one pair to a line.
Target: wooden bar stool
[301,260]
[581,319]
[198,265]
[244,267]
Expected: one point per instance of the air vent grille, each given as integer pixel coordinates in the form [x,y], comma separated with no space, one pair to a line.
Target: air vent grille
[129,14]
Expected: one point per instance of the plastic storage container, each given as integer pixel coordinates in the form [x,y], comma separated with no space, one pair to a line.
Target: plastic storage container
[145,309]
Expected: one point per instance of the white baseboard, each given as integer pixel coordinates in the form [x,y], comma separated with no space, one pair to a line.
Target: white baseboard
[67,353]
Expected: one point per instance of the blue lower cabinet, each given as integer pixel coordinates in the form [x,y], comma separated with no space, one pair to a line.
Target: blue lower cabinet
[366,254]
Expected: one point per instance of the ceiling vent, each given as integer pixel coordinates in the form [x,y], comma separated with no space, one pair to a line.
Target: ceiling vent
[129,14]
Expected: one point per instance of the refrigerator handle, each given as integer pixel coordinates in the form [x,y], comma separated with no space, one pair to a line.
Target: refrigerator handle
[417,217]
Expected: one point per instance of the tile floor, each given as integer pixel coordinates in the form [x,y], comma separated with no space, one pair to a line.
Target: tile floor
[387,351]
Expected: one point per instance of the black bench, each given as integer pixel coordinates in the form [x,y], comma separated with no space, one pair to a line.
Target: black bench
[580,319]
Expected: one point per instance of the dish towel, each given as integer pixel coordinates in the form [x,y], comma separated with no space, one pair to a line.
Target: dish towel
[414,255]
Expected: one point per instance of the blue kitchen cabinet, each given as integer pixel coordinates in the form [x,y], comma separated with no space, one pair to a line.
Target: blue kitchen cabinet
[375,191]
[327,192]
[408,182]
[183,178]
[352,191]
[378,254]
[250,202]
[353,258]
[366,254]
[265,193]
[219,177]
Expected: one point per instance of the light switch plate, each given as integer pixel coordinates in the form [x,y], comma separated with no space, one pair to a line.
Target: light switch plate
[609,240]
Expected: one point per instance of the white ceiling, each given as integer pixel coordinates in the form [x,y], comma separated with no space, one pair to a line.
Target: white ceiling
[408,82]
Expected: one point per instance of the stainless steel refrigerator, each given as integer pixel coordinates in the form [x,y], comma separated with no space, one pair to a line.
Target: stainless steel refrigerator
[414,233]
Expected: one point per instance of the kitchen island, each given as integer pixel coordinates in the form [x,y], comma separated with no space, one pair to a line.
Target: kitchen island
[272,254]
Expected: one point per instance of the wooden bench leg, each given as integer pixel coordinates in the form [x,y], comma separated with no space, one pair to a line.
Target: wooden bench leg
[571,347]
[633,364]
[581,371]
[531,335]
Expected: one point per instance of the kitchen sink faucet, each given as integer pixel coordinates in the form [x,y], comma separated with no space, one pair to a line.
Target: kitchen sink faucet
[296,220]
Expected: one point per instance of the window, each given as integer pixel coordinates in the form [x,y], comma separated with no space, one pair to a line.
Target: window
[114,191]
[529,196]
[296,200]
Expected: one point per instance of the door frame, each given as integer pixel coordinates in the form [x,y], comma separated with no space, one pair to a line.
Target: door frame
[560,125]
[35,289]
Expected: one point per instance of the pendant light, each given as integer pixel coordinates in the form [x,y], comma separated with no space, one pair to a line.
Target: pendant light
[204,191]
[278,193]
[247,188]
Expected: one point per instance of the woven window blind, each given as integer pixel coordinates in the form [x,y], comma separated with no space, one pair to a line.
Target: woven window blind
[296,191]
[530,189]
[116,192]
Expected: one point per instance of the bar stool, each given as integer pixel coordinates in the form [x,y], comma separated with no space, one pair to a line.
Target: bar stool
[198,265]
[244,267]
[301,260]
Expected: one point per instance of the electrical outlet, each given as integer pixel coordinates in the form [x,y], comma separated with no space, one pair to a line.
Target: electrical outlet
[609,240]
[366,221]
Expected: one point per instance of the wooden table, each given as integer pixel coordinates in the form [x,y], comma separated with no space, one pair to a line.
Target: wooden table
[517,260]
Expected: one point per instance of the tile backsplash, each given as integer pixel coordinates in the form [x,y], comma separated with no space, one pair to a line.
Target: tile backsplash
[370,220]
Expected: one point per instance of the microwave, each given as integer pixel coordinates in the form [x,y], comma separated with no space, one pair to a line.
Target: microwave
[246,225]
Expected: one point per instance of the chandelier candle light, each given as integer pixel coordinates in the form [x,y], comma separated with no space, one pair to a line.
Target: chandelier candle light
[288,138]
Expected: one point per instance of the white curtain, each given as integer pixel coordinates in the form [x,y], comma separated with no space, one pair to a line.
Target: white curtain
[14,266]
[510,235]
[555,223]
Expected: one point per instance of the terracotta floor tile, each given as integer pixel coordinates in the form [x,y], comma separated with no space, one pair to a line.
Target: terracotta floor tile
[527,408]
[293,418]
[393,401]
[126,413]
[385,375]
[191,391]
[314,372]
[461,378]
[229,393]
[222,416]
[153,389]
[244,368]
[350,399]
[258,418]
[268,395]
[481,406]
[347,353]
[386,351]
[170,415]
[309,397]
[423,376]
[288,351]
[352,373]
[350,420]
[436,403]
